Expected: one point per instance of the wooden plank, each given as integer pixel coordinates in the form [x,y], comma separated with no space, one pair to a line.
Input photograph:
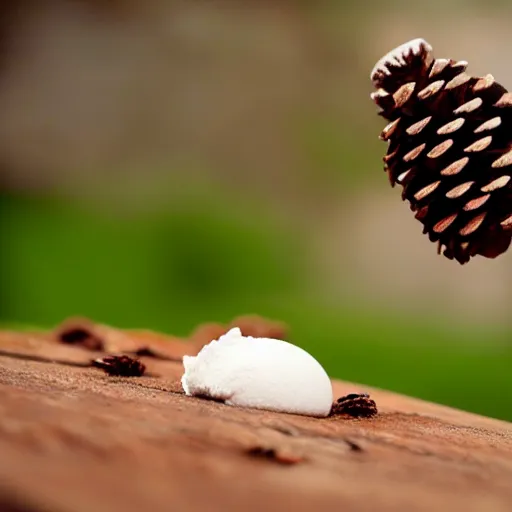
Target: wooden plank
[75,439]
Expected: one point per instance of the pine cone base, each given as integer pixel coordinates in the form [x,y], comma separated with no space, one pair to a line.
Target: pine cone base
[449,147]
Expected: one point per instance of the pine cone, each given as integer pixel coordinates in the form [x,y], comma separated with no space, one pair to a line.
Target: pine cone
[450,147]
[358,405]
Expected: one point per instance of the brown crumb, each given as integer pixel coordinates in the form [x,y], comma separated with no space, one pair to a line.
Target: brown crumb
[357,405]
[84,333]
[122,366]
[74,333]
[274,455]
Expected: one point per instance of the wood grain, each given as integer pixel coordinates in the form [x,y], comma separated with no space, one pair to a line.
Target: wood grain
[75,439]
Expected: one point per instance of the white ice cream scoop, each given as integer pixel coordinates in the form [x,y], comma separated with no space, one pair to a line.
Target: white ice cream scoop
[261,373]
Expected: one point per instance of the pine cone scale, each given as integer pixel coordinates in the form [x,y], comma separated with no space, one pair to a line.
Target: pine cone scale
[479,145]
[431,90]
[445,223]
[459,190]
[455,167]
[503,161]
[403,95]
[458,80]
[488,125]
[417,128]
[474,204]
[473,224]
[507,223]
[440,149]
[451,127]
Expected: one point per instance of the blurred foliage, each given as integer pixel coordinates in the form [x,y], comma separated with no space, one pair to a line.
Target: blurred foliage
[332,154]
[218,260]
[157,269]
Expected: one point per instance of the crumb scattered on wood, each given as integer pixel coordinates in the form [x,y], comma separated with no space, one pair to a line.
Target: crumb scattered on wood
[79,333]
[89,335]
[122,366]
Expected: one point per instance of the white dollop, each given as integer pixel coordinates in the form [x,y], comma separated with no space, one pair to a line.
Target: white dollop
[261,373]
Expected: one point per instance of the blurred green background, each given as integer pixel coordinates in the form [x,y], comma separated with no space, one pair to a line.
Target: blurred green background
[166,164]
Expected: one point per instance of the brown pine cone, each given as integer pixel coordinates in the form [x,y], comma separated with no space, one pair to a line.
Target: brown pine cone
[449,147]
[122,366]
[358,405]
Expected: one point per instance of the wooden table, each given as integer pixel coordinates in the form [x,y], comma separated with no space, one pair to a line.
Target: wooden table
[74,439]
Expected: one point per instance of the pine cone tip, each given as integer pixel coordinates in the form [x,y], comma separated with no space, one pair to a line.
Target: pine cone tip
[403,57]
